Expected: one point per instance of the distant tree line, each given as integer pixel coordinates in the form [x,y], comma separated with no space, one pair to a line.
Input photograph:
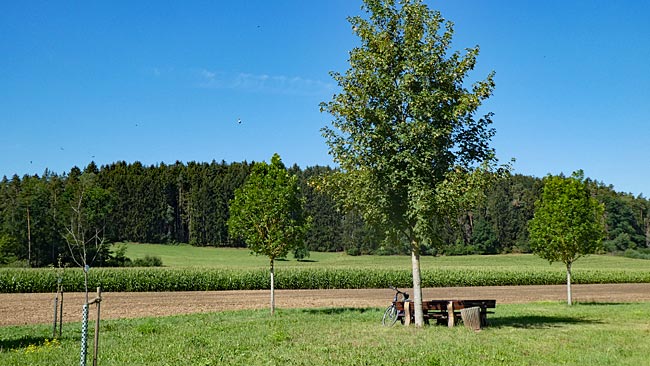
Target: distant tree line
[189,203]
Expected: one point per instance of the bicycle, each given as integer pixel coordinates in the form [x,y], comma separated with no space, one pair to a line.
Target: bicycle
[391,314]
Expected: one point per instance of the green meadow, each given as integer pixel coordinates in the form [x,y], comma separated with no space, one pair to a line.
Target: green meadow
[188,256]
[521,334]
[543,333]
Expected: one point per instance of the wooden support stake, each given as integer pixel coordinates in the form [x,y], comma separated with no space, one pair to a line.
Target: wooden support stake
[98,301]
[56,310]
[61,313]
[450,314]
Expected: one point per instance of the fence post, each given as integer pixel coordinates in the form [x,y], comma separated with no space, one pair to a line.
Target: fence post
[98,300]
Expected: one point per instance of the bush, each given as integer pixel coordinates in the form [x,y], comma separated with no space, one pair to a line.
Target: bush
[147,261]
[641,253]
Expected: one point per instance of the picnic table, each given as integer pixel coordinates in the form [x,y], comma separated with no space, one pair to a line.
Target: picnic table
[444,311]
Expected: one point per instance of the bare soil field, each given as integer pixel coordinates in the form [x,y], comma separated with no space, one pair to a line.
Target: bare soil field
[21,309]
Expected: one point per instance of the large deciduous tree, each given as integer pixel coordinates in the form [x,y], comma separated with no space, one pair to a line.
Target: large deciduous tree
[568,222]
[404,132]
[267,213]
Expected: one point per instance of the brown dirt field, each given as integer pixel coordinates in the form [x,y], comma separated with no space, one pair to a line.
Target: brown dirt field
[20,309]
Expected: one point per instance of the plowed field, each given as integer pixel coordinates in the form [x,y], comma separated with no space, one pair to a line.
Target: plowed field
[18,309]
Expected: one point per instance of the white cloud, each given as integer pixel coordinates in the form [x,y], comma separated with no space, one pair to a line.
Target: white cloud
[208,74]
[263,83]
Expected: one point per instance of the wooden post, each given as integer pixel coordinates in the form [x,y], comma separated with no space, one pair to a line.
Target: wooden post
[98,300]
[407,313]
[56,310]
[61,313]
[450,314]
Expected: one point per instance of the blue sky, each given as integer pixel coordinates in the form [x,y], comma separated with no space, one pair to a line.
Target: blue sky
[162,81]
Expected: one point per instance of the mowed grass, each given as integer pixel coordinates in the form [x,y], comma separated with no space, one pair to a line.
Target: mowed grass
[519,334]
[189,256]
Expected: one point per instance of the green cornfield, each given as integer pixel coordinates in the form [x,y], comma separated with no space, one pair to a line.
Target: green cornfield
[210,279]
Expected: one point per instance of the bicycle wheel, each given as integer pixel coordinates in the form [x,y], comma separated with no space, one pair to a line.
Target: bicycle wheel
[390,316]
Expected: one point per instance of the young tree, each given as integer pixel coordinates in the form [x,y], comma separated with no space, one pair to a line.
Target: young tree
[403,123]
[88,206]
[267,213]
[568,222]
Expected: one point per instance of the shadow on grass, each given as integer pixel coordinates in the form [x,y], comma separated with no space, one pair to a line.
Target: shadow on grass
[334,311]
[600,303]
[536,321]
[7,345]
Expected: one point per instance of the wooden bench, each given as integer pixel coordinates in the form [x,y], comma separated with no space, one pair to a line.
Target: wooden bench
[444,310]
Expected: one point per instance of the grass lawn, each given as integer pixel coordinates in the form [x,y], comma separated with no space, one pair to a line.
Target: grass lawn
[189,256]
[522,334]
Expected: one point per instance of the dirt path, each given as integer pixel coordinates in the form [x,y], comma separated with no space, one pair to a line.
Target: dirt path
[18,309]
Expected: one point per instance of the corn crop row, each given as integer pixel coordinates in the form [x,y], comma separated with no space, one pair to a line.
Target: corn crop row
[196,279]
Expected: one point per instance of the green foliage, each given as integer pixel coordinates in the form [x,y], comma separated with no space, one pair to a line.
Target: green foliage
[156,204]
[403,123]
[643,253]
[9,249]
[267,212]
[568,220]
[117,257]
[147,261]
[404,132]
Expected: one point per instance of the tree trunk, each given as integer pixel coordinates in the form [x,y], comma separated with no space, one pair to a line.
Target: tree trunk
[272,288]
[85,283]
[417,284]
[29,240]
[568,283]
[647,231]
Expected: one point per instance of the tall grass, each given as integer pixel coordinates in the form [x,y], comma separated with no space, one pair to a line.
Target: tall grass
[521,334]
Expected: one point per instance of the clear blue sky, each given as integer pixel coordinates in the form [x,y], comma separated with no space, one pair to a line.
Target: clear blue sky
[161,81]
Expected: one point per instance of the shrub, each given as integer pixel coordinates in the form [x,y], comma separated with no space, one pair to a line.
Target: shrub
[147,261]
[640,253]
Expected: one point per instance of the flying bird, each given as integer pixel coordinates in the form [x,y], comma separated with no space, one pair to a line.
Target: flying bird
[239,120]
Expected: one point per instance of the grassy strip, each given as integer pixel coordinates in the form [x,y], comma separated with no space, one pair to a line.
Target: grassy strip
[208,257]
[529,334]
[209,279]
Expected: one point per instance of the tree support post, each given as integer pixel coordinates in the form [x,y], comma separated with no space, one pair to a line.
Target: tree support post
[56,311]
[97,301]
[272,288]
[61,313]
[568,284]
[84,336]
